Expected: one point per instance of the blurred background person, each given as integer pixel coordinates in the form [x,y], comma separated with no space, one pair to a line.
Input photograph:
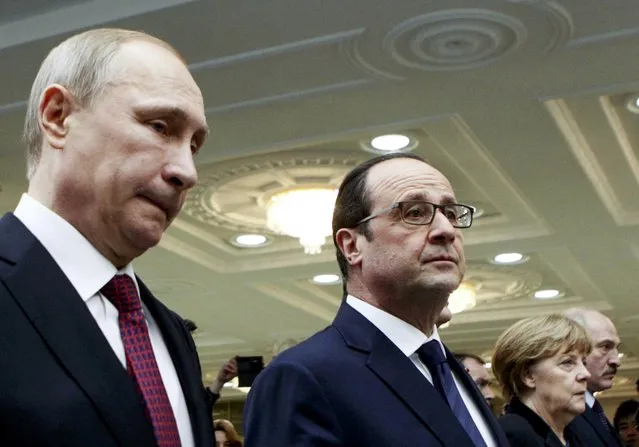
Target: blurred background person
[539,363]
[227,373]
[603,362]
[475,366]
[625,422]
[225,434]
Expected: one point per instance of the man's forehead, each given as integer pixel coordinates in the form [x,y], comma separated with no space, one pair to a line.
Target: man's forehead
[406,173]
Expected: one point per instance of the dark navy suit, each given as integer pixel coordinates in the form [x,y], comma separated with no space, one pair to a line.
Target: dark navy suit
[61,384]
[349,385]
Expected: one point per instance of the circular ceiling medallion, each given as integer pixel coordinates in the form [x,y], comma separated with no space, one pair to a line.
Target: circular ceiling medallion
[233,195]
[495,284]
[455,39]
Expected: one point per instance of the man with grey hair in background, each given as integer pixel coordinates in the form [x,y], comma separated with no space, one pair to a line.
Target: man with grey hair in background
[602,363]
[89,356]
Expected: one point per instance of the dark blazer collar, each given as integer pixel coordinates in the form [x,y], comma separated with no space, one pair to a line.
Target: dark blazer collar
[392,367]
[609,437]
[540,427]
[66,326]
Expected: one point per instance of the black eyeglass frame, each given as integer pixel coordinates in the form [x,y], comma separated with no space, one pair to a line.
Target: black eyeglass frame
[399,205]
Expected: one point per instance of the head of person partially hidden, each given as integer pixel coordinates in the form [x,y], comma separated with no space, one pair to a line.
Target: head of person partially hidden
[477,370]
[603,362]
[113,121]
[625,422]
[225,434]
[397,228]
[540,361]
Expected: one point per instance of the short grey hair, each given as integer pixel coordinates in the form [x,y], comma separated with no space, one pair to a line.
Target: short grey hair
[83,64]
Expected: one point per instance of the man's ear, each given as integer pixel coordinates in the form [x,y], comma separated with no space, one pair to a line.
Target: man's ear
[347,242]
[56,105]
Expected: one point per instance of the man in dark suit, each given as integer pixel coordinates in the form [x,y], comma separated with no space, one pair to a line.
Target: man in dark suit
[475,366]
[602,363]
[89,356]
[379,375]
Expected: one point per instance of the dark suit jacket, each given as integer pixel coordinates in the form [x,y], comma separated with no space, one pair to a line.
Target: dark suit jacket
[349,385]
[591,430]
[61,384]
[524,428]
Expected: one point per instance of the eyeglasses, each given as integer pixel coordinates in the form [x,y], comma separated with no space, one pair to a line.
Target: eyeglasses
[417,212]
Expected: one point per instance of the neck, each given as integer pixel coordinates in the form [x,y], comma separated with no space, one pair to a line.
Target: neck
[421,311]
[42,190]
[556,421]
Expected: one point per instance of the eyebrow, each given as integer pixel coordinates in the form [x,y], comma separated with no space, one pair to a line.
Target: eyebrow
[176,113]
[421,196]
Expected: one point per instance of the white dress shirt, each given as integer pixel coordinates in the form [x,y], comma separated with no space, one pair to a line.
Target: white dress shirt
[590,399]
[409,339]
[88,271]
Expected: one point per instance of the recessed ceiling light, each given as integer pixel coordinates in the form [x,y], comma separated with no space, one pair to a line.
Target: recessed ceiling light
[250,240]
[488,365]
[390,142]
[621,354]
[509,258]
[547,294]
[632,103]
[326,279]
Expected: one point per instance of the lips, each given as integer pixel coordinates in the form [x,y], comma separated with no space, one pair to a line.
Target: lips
[442,258]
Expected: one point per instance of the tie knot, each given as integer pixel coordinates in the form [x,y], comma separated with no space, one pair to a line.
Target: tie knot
[431,353]
[122,293]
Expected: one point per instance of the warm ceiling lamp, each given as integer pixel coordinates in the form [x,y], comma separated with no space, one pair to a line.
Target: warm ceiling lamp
[305,213]
[463,298]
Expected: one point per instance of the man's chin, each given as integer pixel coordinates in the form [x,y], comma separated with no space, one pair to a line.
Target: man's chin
[143,238]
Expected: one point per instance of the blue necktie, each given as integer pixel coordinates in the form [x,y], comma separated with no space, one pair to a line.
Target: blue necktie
[433,357]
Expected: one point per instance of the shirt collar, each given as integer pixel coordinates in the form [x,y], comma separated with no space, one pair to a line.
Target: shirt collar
[85,267]
[405,336]
[590,399]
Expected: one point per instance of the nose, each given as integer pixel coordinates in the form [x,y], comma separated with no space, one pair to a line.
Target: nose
[487,392]
[180,170]
[614,359]
[441,229]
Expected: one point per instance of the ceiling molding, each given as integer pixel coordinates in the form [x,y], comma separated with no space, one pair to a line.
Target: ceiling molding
[454,39]
[296,301]
[72,18]
[583,152]
[604,38]
[461,146]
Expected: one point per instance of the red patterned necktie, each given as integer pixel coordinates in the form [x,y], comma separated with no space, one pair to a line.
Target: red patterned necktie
[140,360]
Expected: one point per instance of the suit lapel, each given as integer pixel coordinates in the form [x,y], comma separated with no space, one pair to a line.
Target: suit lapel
[399,374]
[182,357]
[66,326]
[590,417]
[477,397]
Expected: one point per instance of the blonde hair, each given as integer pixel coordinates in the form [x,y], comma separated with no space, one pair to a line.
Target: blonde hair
[83,64]
[531,340]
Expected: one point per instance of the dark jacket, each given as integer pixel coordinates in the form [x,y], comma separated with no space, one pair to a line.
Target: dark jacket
[589,427]
[350,386]
[61,384]
[524,428]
